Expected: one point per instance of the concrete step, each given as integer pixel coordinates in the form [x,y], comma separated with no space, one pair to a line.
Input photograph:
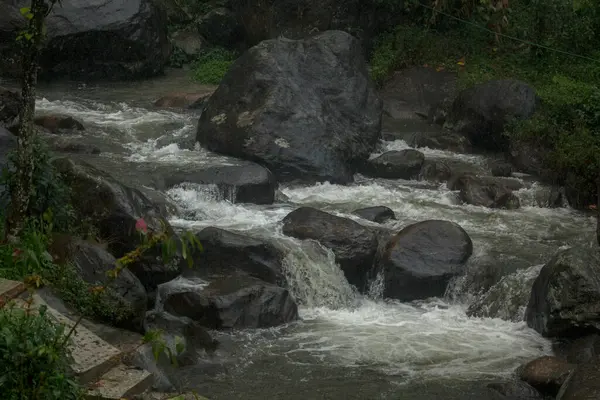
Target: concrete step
[119,383]
[92,356]
[10,289]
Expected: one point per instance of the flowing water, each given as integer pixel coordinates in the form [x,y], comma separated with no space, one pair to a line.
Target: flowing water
[346,346]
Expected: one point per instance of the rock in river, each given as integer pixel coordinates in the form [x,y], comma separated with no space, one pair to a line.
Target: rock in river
[306,109]
[565,299]
[233,301]
[378,214]
[419,261]
[354,245]
[492,192]
[403,164]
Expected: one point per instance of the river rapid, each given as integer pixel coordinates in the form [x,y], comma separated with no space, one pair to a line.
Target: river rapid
[346,346]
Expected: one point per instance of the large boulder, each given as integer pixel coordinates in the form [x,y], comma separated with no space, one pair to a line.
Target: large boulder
[565,299]
[403,164]
[92,262]
[233,301]
[10,102]
[354,245]
[492,192]
[306,109]
[419,261]
[224,251]
[108,207]
[482,111]
[102,39]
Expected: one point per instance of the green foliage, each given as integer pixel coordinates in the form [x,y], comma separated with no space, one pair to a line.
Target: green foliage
[34,358]
[212,65]
[568,123]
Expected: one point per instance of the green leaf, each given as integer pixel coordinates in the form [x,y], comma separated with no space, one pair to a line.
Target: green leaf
[26,12]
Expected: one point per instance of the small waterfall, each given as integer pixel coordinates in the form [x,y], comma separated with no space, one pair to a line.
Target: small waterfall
[313,277]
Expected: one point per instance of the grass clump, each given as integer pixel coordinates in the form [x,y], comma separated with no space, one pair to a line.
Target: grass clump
[212,65]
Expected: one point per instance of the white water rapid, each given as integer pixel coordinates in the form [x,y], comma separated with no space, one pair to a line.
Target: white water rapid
[346,346]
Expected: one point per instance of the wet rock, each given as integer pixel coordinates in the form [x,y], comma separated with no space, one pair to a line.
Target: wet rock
[445,140]
[224,251]
[58,123]
[515,390]
[182,100]
[109,207]
[234,301]
[67,146]
[501,168]
[582,384]
[354,245]
[92,263]
[102,39]
[379,214]
[546,374]
[306,109]
[189,42]
[482,111]
[417,89]
[580,350]
[403,164]
[508,298]
[220,27]
[443,169]
[420,260]
[10,101]
[242,182]
[178,13]
[486,191]
[565,299]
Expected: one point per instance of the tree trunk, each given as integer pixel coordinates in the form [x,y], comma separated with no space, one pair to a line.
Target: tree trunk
[25,163]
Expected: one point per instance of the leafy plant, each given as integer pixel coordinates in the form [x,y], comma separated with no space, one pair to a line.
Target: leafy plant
[34,357]
[212,65]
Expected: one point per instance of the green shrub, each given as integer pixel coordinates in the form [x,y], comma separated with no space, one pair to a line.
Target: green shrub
[212,65]
[34,357]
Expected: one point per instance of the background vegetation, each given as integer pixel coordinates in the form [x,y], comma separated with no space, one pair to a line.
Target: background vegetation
[552,44]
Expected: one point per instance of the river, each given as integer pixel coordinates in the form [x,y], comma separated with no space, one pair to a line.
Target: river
[346,346]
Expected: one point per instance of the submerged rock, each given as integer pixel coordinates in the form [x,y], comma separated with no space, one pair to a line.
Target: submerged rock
[354,245]
[379,214]
[486,191]
[306,109]
[58,123]
[233,301]
[420,260]
[546,374]
[482,111]
[403,164]
[101,39]
[224,251]
[516,390]
[565,299]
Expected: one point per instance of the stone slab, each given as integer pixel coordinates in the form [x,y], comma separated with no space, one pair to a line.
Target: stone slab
[120,382]
[10,289]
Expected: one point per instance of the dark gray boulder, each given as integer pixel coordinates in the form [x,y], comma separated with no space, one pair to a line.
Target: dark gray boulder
[92,262]
[233,301]
[491,192]
[419,261]
[379,214]
[403,164]
[482,111]
[516,390]
[101,39]
[582,384]
[220,27]
[305,109]
[354,245]
[58,123]
[565,299]
[224,251]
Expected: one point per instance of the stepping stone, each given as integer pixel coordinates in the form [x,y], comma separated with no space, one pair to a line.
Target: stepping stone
[10,289]
[120,382]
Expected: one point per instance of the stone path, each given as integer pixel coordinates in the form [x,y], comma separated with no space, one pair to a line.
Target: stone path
[96,363]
